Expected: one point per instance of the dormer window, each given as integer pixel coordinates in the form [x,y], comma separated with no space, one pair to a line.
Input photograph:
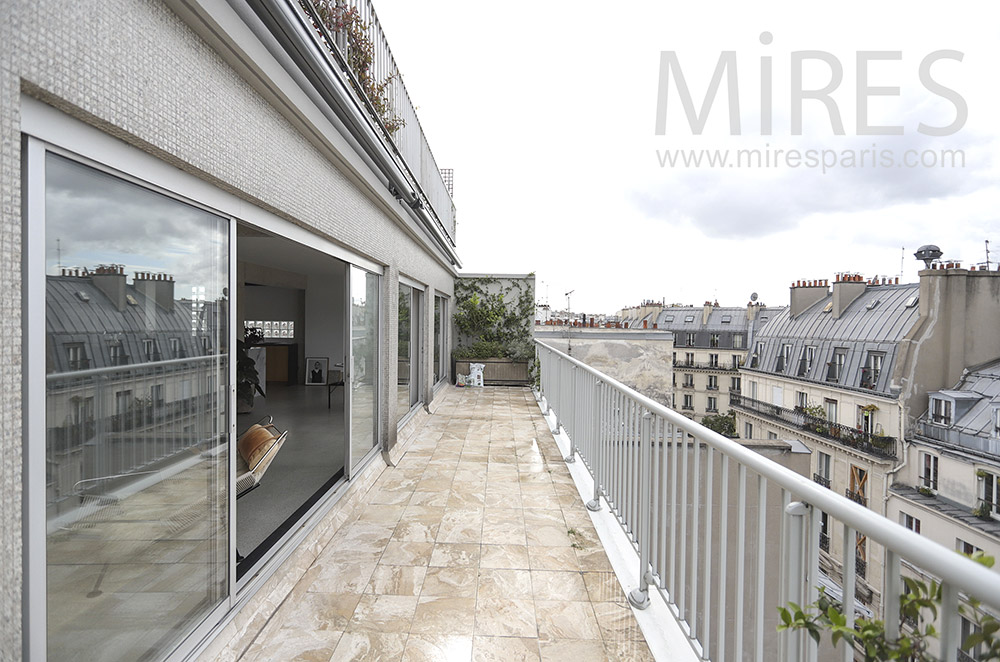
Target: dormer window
[872,369]
[76,356]
[996,422]
[836,367]
[726,319]
[941,411]
[786,352]
[688,319]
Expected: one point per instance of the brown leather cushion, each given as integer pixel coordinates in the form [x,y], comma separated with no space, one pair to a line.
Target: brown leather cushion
[254,443]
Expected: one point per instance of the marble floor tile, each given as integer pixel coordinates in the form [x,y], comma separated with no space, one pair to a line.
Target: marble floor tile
[444,615]
[556,585]
[437,648]
[558,619]
[617,622]
[506,649]
[504,583]
[501,617]
[338,577]
[603,587]
[465,555]
[573,650]
[397,580]
[298,645]
[318,611]
[368,647]
[459,582]
[407,553]
[553,558]
[383,613]
[504,556]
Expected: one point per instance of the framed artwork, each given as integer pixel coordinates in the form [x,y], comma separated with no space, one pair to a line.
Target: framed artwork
[316,369]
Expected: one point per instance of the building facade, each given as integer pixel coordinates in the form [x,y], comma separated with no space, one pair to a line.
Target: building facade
[176,174]
[846,370]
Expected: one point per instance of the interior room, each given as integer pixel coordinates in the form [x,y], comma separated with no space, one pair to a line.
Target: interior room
[297,298]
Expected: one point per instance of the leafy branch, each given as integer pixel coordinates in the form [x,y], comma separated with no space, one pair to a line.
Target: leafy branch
[918,607]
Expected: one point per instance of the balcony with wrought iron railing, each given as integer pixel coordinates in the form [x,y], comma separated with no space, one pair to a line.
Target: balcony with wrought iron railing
[720,535]
[822,480]
[955,436]
[868,442]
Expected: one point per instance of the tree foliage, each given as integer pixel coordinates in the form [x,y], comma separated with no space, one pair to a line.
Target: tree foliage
[724,424]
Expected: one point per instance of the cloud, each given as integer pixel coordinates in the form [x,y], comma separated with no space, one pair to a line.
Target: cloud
[100,219]
[756,202]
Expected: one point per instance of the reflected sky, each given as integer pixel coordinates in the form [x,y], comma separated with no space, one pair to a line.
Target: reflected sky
[93,218]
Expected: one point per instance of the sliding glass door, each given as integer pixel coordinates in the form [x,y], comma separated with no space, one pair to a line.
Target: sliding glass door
[136,415]
[362,383]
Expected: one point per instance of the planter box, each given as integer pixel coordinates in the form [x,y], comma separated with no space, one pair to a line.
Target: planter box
[498,372]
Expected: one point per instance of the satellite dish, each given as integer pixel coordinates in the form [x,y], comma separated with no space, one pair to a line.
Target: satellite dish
[753,297]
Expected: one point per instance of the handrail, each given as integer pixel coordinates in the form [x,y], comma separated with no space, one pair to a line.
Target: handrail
[563,388]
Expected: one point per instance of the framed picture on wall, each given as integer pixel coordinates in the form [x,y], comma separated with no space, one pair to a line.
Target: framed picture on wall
[316,368]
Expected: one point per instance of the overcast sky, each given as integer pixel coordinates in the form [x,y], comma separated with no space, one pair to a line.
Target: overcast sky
[547,113]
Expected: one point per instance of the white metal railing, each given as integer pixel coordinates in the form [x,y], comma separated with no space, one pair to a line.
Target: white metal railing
[721,558]
[353,30]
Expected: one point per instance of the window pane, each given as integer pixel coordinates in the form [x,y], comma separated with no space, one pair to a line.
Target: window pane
[136,443]
[404,347]
[438,326]
[364,366]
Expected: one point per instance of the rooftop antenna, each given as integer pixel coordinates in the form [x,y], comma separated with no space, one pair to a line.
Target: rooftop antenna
[987,255]
[569,309]
[902,256]
[59,253]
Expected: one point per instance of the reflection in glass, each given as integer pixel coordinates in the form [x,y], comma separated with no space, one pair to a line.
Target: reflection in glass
[364,362]
[404,347]
[136,384]
[438,337]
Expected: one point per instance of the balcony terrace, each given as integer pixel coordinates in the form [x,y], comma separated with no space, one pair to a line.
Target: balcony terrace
[476,545]
[873,444]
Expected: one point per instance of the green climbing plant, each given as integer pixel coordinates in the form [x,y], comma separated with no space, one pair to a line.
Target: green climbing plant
[918,607]
[494,316]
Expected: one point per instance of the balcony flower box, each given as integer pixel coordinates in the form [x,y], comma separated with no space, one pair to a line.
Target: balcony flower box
[498,371]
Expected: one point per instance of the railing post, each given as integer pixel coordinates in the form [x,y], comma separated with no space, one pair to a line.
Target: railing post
[639,597]
[571,458]
[794,557]
[594,504]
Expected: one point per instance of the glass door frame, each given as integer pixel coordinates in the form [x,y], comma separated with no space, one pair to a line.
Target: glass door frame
[45,129]
[379,388]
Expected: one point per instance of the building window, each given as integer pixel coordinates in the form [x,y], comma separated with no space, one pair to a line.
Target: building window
[990,492]
[726,319]
[713,383]
[822,469]
[688,319]
[783,357]
[806,360]
[739,341]
[734,384]
[673,379]
[753,390]
[910,522]
[688,358]
[858,485]
[175,348]
[673,358]
[713,360]
[688,380]
[757,353]
[748,430]
[941,411]
[996,422]
[966,548]
[801,400]
[690,340]
[117,354]
[772,435]
[76,356]
[836,367]
[871,370]
[736,361]
[713,404]
[831,409]
[866,418]
[713,340]
[929,471]
[688,401]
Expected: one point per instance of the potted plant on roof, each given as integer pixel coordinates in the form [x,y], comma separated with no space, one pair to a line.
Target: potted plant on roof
[247,378]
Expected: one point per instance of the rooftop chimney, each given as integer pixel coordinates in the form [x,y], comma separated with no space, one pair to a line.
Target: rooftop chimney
[804,294]
[847,288]
[110,280]
[158,287]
